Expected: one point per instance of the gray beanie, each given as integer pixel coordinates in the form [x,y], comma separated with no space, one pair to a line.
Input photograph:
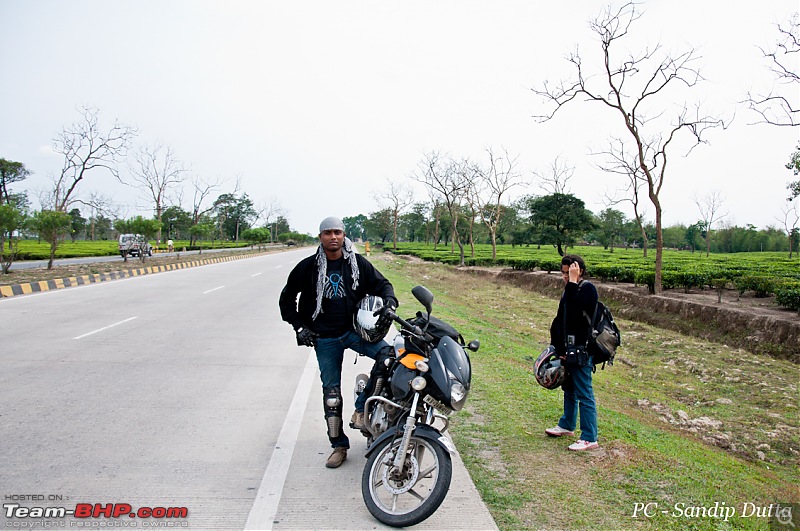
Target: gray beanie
[331,223]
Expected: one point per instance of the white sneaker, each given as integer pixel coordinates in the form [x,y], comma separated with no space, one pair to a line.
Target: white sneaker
[558,431]
[582,445]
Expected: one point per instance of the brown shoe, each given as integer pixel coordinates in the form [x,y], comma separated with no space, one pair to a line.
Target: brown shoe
[357,420]
[338,457]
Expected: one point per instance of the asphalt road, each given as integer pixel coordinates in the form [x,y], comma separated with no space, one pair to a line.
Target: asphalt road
[178,390]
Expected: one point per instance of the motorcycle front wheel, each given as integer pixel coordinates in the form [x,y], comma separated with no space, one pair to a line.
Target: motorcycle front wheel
[406,497]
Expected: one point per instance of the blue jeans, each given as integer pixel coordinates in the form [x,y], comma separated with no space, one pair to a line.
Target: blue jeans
[578,394]
[330,355]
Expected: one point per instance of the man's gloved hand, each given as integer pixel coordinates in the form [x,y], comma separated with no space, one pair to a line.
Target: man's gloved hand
[305,337]
[389,307]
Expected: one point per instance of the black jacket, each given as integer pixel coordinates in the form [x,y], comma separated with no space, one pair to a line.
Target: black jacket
[303,280]
[577,299]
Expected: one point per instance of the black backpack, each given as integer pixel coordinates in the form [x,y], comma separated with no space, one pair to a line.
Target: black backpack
[604,336]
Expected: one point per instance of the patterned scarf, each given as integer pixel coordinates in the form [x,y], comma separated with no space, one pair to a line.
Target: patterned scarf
[322,268]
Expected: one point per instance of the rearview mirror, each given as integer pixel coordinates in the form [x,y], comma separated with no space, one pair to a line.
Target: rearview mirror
[424,296]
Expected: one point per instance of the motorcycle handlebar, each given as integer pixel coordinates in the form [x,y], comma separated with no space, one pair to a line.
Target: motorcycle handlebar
[414,329]
[405,324]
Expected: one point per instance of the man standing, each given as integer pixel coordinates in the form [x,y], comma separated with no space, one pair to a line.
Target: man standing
[330,284]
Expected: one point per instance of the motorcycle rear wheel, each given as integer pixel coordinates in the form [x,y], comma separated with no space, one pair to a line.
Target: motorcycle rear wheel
[406,498]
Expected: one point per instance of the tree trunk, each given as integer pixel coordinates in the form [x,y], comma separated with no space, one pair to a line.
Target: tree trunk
[53,246]
[394,231]
[659,249]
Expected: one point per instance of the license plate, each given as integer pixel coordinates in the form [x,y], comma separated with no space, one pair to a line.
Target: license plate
[438,405]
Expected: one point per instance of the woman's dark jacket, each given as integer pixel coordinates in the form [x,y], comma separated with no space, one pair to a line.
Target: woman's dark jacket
[303,280]
[577,299]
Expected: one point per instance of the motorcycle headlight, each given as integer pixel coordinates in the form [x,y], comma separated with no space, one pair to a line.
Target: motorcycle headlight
[422,366]
[418,383]
[457,392]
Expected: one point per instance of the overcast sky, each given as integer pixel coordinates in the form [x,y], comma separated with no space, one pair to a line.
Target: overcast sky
[316,105]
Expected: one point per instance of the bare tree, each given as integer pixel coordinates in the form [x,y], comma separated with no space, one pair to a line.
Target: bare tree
[155,172]
[269,211]
[627,88]
[87,149]
[202,191]
[436,211]
[473,205]
[442,177]
[624,163]
[554,180]
[399,197]
[709,207]
[97,204]
[791,222]
[499,178]
[472,176]
[781,106]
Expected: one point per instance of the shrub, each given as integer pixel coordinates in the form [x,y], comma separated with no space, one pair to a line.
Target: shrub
[524,265]
[761,285]
[686,279]
[646,278]
[788,295]
[550,265]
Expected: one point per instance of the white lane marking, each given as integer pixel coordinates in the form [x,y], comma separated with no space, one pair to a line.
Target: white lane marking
[255,275]
[215,289]
[104,328]
[279,266]
[265,506]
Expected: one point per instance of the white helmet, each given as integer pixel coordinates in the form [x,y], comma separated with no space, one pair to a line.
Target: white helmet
[369,326]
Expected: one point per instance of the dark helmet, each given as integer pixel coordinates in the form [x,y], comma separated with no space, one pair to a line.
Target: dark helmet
[549,371]
[369,326]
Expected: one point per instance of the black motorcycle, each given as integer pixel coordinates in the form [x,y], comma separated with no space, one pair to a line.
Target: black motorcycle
[422,380]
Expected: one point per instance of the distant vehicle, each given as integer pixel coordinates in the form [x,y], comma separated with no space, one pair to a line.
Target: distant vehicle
[134,245]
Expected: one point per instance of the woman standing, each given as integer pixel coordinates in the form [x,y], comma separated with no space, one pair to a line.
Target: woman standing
[569,332]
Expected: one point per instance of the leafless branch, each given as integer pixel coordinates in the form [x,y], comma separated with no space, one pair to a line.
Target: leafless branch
[635,89]
[156,171]
[399,197]
[85,148]
[554,180]
[709,207]
[781,106]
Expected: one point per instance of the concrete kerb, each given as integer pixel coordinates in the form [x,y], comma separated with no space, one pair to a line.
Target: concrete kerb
[53,284]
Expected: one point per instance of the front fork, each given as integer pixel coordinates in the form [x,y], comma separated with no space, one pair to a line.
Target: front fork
[408,431]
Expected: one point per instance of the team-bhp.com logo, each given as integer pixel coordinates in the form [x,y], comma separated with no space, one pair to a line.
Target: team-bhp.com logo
[96,510]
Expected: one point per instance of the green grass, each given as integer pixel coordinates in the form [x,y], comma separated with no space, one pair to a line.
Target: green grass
[681,420]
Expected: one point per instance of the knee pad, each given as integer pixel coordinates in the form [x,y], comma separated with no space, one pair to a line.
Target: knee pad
[332,397]
[332,402]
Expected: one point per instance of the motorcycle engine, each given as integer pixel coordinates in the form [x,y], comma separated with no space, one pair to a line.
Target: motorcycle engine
[379,420]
